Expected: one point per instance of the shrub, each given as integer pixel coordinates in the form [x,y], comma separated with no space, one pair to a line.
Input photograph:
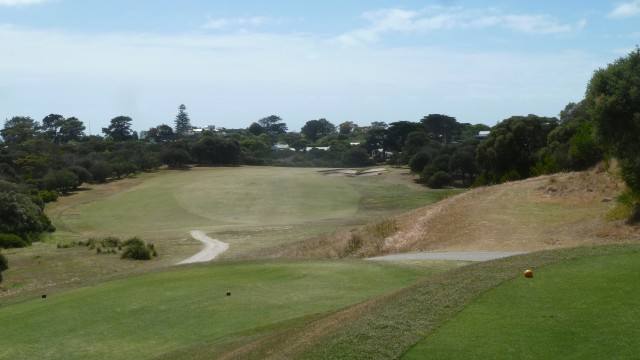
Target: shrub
[100,171]
[8,241]
[419,161]
[546,166]
[111,242]
[4,265]
[357,157]
[84,176]
[133,241]
[439,179]
[21,216]
[62,180]
[136,249]
[49,195]
[136,252]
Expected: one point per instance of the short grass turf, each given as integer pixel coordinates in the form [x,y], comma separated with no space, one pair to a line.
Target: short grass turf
[146,316]
[587,308]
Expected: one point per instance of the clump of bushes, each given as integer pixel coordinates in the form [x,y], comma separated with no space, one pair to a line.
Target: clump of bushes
[136,249]
[9,241]
[49,195]
[133,248]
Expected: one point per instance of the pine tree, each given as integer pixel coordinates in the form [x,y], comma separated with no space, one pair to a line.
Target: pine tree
[183,123]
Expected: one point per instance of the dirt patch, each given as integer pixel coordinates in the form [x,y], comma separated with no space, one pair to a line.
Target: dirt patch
[354,172]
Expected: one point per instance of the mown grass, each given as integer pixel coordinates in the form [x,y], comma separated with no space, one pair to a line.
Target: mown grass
[254,209]
[389,326]
[147,316]
[284,204]
[585,308]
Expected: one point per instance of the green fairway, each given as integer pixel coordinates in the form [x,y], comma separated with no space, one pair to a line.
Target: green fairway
[586,308]
[218,197]
[146,316]
[251,208]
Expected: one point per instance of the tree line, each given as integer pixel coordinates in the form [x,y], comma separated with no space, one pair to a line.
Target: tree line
[40,161]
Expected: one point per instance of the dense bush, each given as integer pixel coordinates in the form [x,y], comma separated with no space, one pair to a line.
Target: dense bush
[61,180]
[136,249]
[439,179]
[357,157]
[134,241]
[48,195]
[111,242]
[4,265]
[84,176]
[136,252]
[8,241]
[419,161]
[100,171]
[19,215]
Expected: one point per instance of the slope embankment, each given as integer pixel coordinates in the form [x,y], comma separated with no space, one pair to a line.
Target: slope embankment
[547,212]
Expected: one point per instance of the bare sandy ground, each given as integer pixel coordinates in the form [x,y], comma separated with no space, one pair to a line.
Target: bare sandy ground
[450,255]
[212,248]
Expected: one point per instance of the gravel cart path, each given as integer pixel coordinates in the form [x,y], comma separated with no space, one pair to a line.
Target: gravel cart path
[212,248]
[463,256]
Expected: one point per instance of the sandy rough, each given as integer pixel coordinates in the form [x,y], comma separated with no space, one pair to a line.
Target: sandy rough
[450,255]
[212,248]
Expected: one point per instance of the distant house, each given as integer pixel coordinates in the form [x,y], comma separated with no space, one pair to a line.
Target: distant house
[482,135]
[281,147]
[323,148]
[197,130]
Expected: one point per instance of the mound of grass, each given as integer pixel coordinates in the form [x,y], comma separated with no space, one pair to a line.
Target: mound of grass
[389,326]
[582,309]
[146,316]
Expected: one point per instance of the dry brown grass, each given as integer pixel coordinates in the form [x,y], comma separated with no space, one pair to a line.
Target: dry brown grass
[547,212]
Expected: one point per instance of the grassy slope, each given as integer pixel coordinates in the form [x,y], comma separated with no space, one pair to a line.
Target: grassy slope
[389,326]
[148,315]
[586,308]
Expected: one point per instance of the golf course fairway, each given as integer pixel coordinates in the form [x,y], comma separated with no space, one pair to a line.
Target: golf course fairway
[145,316]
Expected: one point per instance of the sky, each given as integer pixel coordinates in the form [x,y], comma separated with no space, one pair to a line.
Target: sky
[233,62]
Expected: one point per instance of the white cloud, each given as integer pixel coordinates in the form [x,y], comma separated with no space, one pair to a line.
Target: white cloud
[21,2]
[539,24]
[225,23]
[626,9]
[438,18]
[233,79]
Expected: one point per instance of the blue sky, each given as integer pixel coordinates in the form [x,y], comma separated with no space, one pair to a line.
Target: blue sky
[233,62]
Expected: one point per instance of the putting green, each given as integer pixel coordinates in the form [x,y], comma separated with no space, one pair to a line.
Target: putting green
[587,308]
